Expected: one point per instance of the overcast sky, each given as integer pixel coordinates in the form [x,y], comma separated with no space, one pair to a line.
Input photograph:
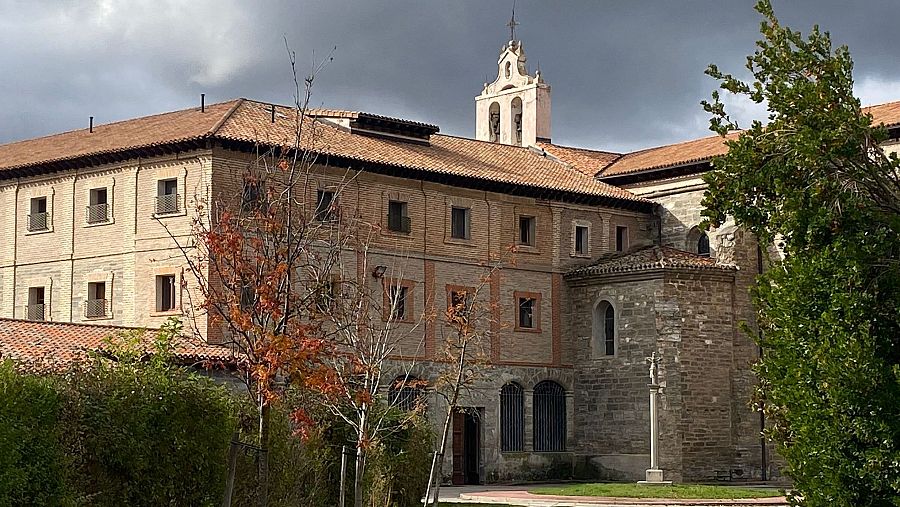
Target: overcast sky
[624,74]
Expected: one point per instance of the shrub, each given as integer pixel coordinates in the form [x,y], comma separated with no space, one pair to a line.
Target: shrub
[32,462]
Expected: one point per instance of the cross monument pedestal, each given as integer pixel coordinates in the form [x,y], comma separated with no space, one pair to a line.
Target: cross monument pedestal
[654,473]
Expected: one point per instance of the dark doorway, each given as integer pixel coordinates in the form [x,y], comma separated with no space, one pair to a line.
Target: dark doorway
[466,446]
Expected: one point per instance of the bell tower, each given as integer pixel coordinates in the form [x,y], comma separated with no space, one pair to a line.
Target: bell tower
[515,108]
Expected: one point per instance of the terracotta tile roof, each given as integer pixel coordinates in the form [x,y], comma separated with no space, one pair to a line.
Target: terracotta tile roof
[449,155]
[588,162]
[887,114]
[697,150]
[250,121]
[647,258]
[148,131]
[57,344]
[701,150]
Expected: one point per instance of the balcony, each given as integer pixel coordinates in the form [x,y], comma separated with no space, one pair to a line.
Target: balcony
[399,223]
[167,204]
[97,213]
[38,222]
[35,312]
[96,308]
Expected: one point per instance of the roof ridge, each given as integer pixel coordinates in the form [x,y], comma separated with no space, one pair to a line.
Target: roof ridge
[225,117]
[578,148]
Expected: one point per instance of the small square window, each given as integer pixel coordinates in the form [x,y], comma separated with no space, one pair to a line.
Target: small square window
[398,219]
[167,197]
[325,211]
[165,293]
[526,313]
[526,230]
[98,207]
[581,240]
[35,309]
[621,238]
[459,222]
[39,219]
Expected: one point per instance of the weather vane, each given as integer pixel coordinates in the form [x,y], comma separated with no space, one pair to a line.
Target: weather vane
[512,23]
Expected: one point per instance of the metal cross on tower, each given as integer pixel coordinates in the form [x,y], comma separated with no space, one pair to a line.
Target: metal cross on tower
[512,24]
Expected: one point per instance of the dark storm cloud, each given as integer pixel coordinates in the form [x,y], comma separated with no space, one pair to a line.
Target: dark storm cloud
[625,75]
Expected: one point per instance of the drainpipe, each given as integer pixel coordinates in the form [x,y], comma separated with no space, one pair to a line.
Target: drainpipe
[15,264]
[72,253]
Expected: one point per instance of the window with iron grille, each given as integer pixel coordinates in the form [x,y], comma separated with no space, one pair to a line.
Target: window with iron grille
[398,220]
[527,230]
[95,305]
[512,418]
[167,197]
[165,293]
[549,417]
[407,393]
[39,219]
[36,308]
[459,223]
[98,208]
[325,211]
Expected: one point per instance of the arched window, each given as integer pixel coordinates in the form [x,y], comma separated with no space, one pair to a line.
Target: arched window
[549,417]
[515,116]
[407,393]
[604,329]
[512,418]
[703,245]
[494,122]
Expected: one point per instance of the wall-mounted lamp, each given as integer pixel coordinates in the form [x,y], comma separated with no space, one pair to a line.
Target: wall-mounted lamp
[378,272]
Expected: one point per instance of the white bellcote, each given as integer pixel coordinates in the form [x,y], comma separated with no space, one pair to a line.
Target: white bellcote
[515,108]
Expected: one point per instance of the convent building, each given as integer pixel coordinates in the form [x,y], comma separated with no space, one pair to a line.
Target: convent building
[609,266]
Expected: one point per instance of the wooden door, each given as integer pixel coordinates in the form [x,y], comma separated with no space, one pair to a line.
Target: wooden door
[459,458]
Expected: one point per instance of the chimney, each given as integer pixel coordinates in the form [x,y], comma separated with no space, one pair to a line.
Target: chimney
[91,125]
[202,102]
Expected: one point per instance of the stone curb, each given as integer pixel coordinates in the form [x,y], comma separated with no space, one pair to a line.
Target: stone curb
[522,498]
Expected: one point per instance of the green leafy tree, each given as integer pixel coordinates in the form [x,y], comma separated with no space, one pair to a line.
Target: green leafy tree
[813,180]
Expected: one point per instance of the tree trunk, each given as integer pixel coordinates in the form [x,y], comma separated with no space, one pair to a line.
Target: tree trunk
[437,464]
[232,461]
[358,480]
[263,469]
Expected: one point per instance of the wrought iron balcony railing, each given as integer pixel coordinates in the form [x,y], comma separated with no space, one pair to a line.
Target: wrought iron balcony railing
[35,312]
[167,204]
[399,223]
[38,222]
[96,308]
[97,213]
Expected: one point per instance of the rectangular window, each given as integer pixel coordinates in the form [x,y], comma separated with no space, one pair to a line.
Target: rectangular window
[325,206]
[167,197]
[526,313]
[398,220]
[165,293]
[526,230]
[325,296]
[95,306]
[248,297]
[621,238]
[38,220]
[581,240]
[459,223]
[98,208]
[398,302]
[250,195]
[35,309]
[460,301]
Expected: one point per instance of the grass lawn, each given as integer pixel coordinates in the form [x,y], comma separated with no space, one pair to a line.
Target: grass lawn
[641,491]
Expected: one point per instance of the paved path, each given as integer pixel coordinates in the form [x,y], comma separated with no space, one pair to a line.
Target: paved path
[518,495]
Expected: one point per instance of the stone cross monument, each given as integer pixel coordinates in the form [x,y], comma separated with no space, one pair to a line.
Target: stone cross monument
[654,474]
